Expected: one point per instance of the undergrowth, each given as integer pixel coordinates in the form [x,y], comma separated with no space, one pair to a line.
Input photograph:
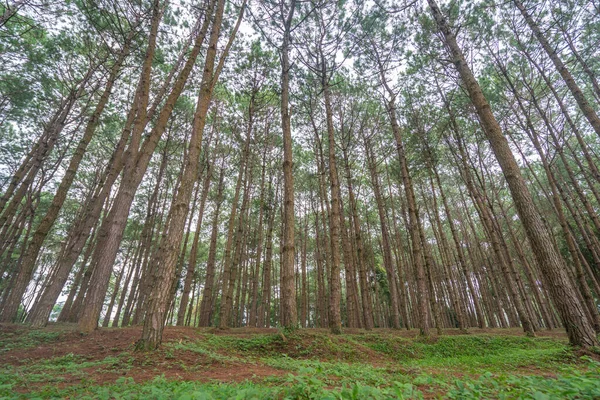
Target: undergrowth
[312,365]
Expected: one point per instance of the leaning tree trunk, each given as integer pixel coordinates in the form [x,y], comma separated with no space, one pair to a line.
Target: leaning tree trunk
[39,236]
[167,255]
[112,230]
[414,222]
[572,312]
[562,69]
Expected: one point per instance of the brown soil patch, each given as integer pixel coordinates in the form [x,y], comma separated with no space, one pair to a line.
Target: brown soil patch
[107,342]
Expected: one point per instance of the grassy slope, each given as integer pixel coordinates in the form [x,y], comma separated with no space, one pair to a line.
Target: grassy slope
[241,364]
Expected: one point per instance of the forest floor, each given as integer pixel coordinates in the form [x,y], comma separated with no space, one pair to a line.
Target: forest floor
[60,362]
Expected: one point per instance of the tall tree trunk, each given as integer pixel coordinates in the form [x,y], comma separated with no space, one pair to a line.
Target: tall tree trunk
[289,315]
[111,231]
[335,321]
[228,281]
[167,255]
[414,222]
[571,245]
[48,140]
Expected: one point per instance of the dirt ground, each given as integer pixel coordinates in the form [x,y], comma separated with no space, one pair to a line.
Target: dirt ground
[103,343]
[172,363]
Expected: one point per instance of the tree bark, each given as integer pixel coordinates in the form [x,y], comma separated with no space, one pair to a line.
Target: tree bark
[289,314]
[111,231]
[167,255]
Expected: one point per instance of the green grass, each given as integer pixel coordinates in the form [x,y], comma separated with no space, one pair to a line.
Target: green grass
[470,353]
[53,370]
[570,385]
[316,365]
[23,339]
[298,344]
[160,388]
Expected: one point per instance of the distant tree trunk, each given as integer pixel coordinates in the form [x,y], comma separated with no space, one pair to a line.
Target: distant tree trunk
[335,321]
[399,249]
[456,239]
[422,292]
[183,303]
[431,278]
[237,264]
[259,243]
[72,305]
[115,292]
[527,268]
[414,224]
[207,294]
[25,225]
[149,231]
[494,234]
[132,268]
[228,277]
[386,245]
[182,251]
[264,312]
[194,296]
[325,217]
[303,278]
[360,252]
[321,306]
[241,261]
[458,306]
